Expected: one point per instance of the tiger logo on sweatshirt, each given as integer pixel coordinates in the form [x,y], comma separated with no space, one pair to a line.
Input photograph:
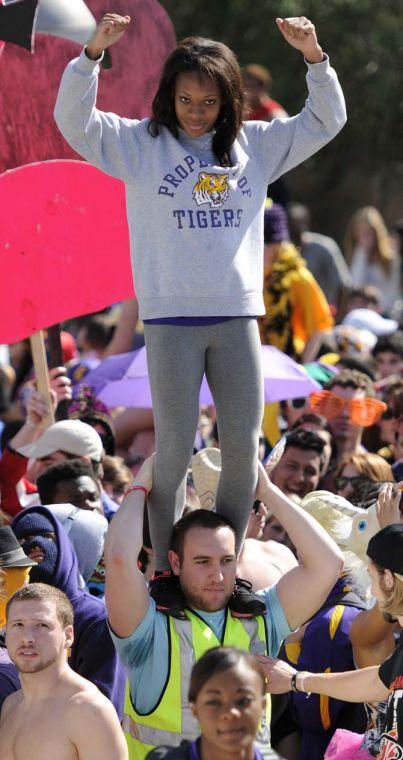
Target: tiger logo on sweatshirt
[212,189]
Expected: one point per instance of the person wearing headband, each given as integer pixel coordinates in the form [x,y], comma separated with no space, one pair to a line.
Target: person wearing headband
[371,684]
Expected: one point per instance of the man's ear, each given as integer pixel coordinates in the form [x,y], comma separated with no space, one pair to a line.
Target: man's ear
[69,633]
[174,561]
[388,580]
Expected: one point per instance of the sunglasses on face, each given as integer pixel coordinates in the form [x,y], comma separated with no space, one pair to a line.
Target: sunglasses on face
[297,403]
[343,480]
[362,411]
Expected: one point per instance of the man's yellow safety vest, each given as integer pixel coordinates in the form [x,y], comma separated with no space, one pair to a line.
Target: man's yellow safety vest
[171,720]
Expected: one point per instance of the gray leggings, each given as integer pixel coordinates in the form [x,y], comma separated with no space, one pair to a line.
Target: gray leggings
[229,354]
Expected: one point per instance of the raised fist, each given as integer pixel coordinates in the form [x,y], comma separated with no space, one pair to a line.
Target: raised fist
[109,31]
[300,33]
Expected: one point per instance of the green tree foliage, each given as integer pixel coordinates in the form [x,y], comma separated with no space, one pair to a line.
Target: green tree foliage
[364,39]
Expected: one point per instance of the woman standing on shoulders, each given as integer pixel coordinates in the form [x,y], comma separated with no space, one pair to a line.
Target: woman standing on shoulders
[196,176]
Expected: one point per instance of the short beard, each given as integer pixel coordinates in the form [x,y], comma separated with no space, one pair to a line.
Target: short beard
[197,602]
[37,667]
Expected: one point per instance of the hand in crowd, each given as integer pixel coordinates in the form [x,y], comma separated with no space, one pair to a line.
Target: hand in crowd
[278,674]
[145,474]
[262,483]
[388,505]
[60,390]
[110,30]
[300,33]
[37,408]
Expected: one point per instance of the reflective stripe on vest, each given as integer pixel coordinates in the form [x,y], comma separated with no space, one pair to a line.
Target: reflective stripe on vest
[171,719]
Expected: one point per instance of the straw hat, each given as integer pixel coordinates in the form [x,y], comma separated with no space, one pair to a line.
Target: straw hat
[206,471]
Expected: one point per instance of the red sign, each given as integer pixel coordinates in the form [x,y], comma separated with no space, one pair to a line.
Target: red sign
[64,245]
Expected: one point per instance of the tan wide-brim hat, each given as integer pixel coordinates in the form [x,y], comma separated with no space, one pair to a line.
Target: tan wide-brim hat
[206,471]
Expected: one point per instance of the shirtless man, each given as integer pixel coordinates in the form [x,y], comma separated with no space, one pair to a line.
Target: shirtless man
[56,713]
[263,563]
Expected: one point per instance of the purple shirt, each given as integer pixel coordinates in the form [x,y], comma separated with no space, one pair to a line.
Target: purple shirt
[194,753]
[187,321]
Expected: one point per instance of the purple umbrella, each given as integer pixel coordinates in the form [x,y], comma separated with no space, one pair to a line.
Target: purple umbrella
[122,380]
[110,370]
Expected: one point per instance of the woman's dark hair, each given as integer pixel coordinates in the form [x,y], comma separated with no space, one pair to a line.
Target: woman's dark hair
[217,660]
[216,61]
[107,436]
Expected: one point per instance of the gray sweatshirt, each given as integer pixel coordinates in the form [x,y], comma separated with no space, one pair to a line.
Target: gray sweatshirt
[196,229]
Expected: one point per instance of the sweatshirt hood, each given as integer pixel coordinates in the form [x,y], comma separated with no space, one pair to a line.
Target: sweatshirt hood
[86,531]
[65,573]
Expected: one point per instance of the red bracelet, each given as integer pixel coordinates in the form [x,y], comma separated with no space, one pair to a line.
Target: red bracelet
[135,488]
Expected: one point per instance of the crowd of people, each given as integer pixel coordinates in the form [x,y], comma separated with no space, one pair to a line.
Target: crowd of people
[226,581]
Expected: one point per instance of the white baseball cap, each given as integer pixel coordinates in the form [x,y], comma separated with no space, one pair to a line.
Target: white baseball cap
[368,319]
[72,436]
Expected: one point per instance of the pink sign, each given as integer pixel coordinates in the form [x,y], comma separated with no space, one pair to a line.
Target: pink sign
[64,245]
